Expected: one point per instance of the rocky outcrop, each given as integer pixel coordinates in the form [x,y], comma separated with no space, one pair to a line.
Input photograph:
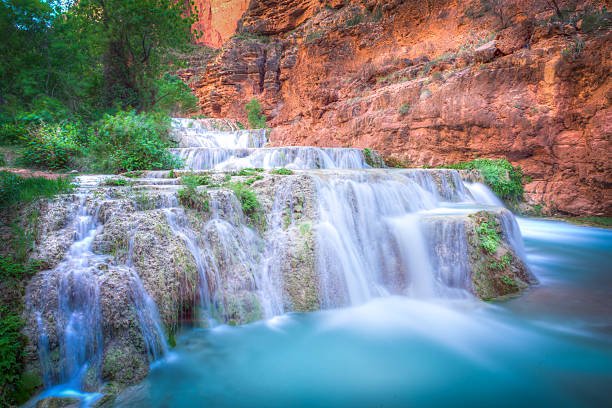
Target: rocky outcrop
[217,19]
[429,84]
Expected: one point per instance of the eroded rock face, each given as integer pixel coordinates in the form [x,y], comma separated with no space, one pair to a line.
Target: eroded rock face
[429,85]
[217,19]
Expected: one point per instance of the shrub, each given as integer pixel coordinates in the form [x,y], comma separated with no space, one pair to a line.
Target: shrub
[54,147]
[502,177]
[18,190]
[129,141]
[595,19]
[248,200]
[436,76]
[357,18]
[15,388]
[404,109]
[313,36]
[257,120]
[574,51]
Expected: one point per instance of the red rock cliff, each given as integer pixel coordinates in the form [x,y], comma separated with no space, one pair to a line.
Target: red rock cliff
[217,19]
[431,82]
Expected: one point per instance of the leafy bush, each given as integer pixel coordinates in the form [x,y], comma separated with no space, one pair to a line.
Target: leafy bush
[595,19]
[313,36]
[15,388]
[190,196]
[129,141]
[175,96]
[257,120]
[15,189]
[502,177]
[357,18]
[574,51]
[54,146]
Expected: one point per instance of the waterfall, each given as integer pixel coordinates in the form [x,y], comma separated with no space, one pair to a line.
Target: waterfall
[226,252]
[69,299]
[205,158]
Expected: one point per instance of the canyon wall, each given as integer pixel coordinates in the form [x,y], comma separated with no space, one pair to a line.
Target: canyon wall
[431,83]
[217,19]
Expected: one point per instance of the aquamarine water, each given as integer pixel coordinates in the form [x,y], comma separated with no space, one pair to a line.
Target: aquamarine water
[550,347]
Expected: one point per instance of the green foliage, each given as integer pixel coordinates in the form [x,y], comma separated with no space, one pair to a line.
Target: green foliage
[594,19]
[404,109]
[190,196]
[574,51]
[75,61]
[508,281]
[54,146]
[315,35]
[489,238]
[377,15]
[249,172]
[174,96]
[15,388]
[355,19]
[367,154]
[130,141]
[503,263]
[18,190]
[248,198]
[117,182]
[436,76]
[282,172]
[257,120]
[502,177]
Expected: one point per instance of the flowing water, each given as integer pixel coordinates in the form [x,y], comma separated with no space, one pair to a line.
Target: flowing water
[399,326]
[549,347]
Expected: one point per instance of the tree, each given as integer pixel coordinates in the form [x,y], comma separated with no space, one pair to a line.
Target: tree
[133,38]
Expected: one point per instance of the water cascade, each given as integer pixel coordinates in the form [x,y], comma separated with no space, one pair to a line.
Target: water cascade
[333,233]
[66,300]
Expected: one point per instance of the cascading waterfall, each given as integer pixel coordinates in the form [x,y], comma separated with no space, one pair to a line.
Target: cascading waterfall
[206,158]
[77,282]
[226,253]
[370,237]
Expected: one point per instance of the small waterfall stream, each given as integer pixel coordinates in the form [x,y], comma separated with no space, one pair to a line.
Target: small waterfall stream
[72,300]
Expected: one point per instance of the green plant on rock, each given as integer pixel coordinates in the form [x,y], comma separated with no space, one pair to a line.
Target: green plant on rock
[574,51]
[189,196]
[489,238]
[282,171]
[248,199]
[355,19]
[404,109]
[257,120]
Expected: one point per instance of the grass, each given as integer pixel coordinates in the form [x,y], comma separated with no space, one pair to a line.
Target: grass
[19,190]
[605,222]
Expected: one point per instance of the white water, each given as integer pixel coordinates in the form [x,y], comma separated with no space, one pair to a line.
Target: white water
[70,300]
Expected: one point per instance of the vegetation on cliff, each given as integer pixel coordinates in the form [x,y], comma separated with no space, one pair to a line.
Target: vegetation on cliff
[15,270]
